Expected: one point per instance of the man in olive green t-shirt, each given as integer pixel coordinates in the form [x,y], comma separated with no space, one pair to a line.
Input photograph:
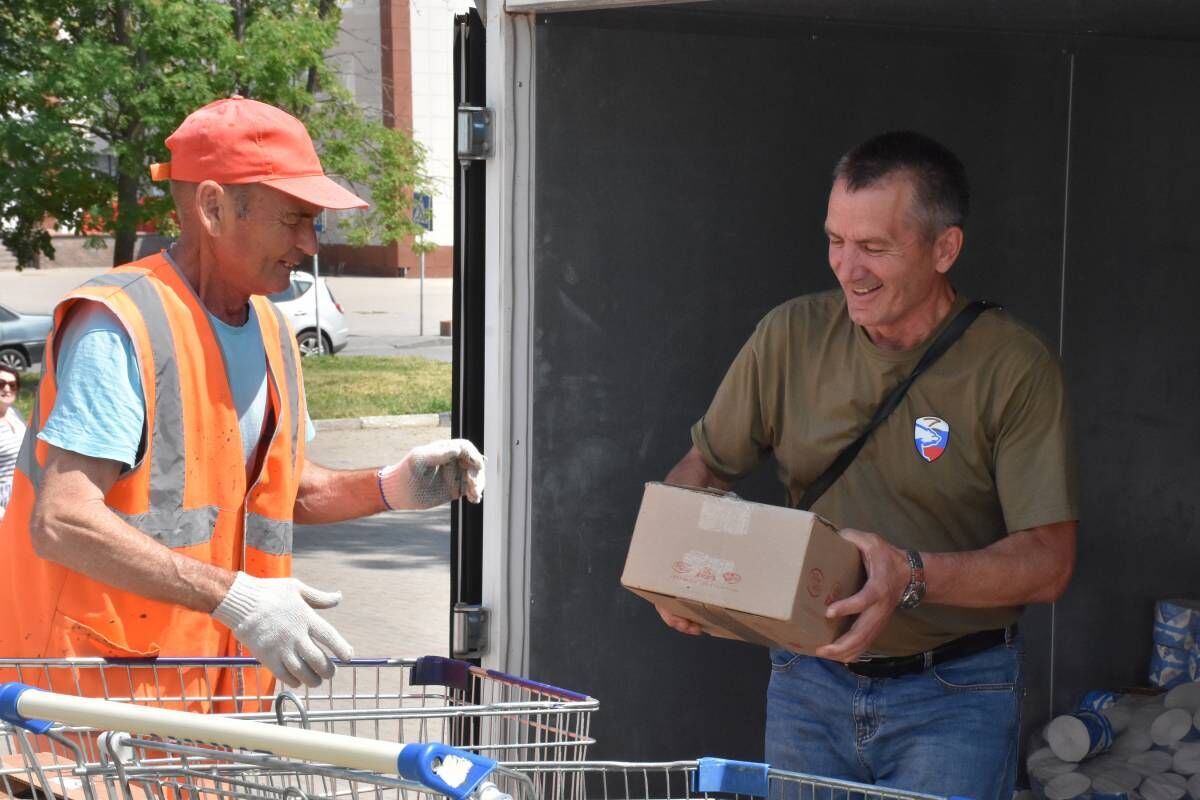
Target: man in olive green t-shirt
[962,502]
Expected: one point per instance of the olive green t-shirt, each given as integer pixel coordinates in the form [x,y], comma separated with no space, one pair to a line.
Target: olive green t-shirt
[979,447]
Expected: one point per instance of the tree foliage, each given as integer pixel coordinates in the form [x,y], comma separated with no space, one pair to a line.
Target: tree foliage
[84,77]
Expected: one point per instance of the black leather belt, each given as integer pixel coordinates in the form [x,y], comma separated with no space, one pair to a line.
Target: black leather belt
[961,647]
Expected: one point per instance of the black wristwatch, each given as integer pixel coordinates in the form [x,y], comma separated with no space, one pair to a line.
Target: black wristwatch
[914,593]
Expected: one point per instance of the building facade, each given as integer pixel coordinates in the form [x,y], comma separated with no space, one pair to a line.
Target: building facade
[396,57]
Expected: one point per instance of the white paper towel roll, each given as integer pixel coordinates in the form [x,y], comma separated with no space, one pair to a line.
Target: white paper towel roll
[1068,786]
[1152,762]
[1118,717]
[1185,695]
[1068,738]
[1171,726]
[1132,742]
[1117,780]
[1186,760]
[1167,786]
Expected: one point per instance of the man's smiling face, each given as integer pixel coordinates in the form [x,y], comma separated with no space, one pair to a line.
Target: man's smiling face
[888,265]
[270,233]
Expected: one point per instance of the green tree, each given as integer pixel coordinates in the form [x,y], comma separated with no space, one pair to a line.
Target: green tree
[79,76]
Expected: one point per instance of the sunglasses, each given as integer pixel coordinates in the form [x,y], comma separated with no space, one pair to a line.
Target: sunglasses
[9,385]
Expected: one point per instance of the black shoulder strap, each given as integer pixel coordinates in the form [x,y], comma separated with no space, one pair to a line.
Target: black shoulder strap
[940,345]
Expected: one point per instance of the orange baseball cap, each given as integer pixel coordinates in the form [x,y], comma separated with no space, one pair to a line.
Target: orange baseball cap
[236,140]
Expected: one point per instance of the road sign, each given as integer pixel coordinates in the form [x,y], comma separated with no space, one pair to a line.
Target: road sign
[422,210]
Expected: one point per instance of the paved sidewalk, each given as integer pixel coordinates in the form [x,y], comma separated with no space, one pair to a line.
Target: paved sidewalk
[393,569]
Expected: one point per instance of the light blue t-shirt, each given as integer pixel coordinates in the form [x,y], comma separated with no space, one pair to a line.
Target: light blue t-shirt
[100,408]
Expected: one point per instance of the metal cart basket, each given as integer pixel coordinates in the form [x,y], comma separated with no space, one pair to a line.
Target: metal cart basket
[280,762]
[162,753]
[429,699]
[716,778]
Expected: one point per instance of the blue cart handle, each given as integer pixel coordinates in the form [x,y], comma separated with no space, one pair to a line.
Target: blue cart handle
[723,775]
[9,694]
[444,769]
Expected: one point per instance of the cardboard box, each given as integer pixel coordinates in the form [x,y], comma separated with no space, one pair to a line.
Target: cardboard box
[759,573]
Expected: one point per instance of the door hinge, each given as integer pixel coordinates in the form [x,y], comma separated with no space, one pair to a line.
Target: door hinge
[470,631]
[474,133]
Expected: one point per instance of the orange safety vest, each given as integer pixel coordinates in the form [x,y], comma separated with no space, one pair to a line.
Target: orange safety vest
[188,491]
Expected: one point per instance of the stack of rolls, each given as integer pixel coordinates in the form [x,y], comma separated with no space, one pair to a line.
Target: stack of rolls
[1175,657]
[1130,746]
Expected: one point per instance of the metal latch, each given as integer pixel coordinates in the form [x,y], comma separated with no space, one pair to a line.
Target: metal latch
[474,133]
[470,631]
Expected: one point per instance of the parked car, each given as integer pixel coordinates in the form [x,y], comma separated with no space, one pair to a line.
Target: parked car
[23,338]
[298,303]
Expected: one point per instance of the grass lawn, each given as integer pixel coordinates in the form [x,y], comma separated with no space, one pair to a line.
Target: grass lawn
[363,386]
[349,386]
[29,384]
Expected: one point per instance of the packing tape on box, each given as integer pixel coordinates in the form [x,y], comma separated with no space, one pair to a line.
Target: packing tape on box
[1177,623]
[1168,666]
[725,515]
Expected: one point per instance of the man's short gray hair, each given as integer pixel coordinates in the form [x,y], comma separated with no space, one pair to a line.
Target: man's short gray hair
[942,193]
[241,198]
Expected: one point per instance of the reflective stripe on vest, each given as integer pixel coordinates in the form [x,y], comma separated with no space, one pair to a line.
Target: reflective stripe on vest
[167,450]
[271,536]
[291,371]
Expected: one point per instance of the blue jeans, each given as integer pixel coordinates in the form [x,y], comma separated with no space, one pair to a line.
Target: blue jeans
[950,730]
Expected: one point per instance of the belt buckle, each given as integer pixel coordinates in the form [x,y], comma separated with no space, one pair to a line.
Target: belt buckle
[879,667]
[869,666]
[859,667]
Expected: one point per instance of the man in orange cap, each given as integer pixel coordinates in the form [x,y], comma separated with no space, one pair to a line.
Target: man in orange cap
[155,494]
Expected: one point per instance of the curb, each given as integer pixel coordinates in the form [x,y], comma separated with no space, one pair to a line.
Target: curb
[441,420]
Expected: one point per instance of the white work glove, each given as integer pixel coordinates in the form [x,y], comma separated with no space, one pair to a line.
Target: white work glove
[433,474]
[274,619]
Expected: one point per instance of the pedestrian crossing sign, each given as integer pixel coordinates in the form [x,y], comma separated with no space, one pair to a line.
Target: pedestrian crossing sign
[422,210]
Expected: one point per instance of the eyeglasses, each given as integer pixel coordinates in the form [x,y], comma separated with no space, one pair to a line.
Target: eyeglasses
[9,385]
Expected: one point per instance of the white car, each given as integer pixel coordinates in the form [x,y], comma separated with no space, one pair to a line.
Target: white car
[299,302]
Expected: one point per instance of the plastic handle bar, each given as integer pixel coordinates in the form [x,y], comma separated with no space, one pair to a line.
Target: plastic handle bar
[9,693]
[446,769]
[725,776]
[438,767]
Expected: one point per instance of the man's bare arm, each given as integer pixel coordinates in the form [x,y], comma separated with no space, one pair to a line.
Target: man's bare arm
[332,495]
[692,471]
[427,477]
[72,526]
[1029,566]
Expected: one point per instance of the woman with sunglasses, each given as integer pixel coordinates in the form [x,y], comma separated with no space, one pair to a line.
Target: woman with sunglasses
[12,431]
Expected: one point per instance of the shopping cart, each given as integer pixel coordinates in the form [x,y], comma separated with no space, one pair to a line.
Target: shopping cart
[162,754]
[429,699]
[149,753]
[716,778]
